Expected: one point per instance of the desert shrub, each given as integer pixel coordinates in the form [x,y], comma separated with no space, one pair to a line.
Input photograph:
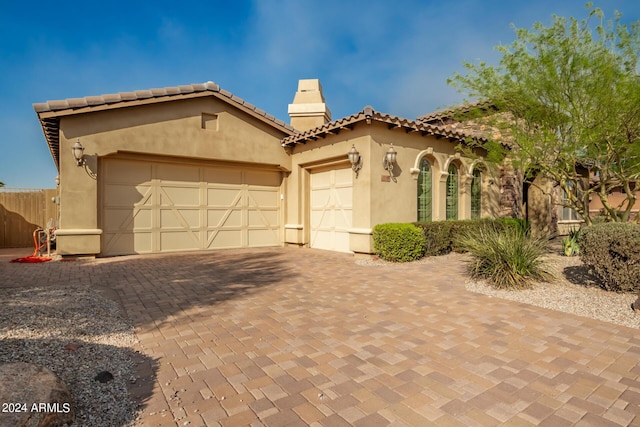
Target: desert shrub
[522,224]
[471,226]
[612,251]
[507,257]
[441,237]
[570,245]
[398,242]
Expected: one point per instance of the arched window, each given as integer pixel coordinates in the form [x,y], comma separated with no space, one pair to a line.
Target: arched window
[424,191]
[476,194]
[452,192]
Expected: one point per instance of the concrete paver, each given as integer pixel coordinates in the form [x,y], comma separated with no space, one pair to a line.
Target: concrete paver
[287,336]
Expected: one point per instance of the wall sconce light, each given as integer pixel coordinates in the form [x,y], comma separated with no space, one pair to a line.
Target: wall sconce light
[389,160]
[78,153]
[355,160]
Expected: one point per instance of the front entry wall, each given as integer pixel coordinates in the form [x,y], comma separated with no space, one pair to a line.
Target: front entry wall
[151,207]
[331,209]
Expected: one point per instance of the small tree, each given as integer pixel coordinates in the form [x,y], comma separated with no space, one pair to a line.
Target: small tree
[569,97]
[1,184]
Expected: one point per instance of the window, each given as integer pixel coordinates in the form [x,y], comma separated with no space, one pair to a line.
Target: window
[565,213]
[476,194]
[424,191]
[452,193]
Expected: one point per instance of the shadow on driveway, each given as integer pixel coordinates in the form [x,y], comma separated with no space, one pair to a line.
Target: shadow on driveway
[158,289]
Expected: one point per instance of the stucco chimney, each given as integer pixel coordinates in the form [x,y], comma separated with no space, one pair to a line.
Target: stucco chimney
[309,109]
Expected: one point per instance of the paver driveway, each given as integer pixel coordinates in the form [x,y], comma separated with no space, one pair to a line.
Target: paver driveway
[285,337]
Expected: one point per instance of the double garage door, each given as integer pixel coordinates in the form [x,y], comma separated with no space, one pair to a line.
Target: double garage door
[152,207]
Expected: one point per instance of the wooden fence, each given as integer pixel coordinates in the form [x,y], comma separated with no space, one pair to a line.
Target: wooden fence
[21,212]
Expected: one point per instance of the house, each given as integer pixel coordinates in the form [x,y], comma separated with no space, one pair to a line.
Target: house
[196,168]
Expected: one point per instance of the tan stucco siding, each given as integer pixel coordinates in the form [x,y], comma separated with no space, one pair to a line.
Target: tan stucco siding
[397,201]
[175,129]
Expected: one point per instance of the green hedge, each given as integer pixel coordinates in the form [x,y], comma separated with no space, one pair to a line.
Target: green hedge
[398,242]
[612,251]
[441,237]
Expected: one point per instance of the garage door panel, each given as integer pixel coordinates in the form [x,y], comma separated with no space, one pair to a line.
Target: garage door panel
[223,176]
[317,218]
[265,198]
[127,220]
[224,218]
[185,218]
[343,197]
[184,196]
[122,172]
[186,207]
[177,173]
[260,238]
[340,241]
[121,243]
[341,221]
[320,198]
[126,195]
[177,241]
[263,217]
[343,177]
[225,239]
[226,197]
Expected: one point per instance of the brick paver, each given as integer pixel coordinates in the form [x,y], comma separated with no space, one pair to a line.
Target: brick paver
[288,337]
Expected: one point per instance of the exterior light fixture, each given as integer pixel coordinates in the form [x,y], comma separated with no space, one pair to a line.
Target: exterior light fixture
[355,160]
[78,153]
[389,160]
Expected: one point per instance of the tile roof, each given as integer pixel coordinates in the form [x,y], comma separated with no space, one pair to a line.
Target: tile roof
[368,114]
[50,112]
[453,111]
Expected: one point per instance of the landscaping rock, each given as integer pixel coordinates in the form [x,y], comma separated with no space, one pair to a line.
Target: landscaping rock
[33,396]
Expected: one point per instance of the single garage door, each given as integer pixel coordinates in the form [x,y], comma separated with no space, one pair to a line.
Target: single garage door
[331,205]
[150,207]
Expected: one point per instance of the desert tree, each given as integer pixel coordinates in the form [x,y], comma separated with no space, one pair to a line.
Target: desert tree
[568,97]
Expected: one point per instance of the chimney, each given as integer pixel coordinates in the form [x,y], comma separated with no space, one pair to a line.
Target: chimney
[309,109]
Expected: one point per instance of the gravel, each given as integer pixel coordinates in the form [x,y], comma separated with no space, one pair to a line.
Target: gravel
[76,333]
[574,290]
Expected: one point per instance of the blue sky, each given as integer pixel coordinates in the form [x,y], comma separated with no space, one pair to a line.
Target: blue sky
[395,56]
